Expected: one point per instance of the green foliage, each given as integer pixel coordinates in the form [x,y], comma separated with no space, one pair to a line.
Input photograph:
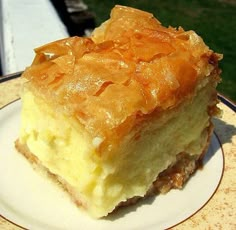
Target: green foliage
[213,20]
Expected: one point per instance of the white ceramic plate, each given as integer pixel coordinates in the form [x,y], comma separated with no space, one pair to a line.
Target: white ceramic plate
[30,200]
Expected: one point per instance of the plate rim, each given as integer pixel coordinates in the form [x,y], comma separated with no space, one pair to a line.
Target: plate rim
[11,76]
[225,101]
[220,180]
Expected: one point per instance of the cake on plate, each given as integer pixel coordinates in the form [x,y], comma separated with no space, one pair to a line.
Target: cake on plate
[123,114]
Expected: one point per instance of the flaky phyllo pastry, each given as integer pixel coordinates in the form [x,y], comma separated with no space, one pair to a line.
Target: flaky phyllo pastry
[123,114]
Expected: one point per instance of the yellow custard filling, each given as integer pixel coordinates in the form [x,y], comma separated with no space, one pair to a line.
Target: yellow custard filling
[101,182]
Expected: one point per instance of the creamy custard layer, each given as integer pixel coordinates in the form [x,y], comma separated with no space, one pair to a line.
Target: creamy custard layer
[102,182]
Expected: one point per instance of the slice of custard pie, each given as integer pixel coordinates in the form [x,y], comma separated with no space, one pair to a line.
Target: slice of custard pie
[123,114]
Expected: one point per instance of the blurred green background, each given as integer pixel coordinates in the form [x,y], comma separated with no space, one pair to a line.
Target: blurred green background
[213,20]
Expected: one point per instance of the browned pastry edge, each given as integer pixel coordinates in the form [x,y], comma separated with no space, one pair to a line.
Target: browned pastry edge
[175,176]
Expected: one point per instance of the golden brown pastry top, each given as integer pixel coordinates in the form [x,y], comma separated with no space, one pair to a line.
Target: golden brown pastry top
[130,67]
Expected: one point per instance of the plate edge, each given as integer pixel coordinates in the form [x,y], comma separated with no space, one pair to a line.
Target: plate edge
[9,77]
[221,177]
